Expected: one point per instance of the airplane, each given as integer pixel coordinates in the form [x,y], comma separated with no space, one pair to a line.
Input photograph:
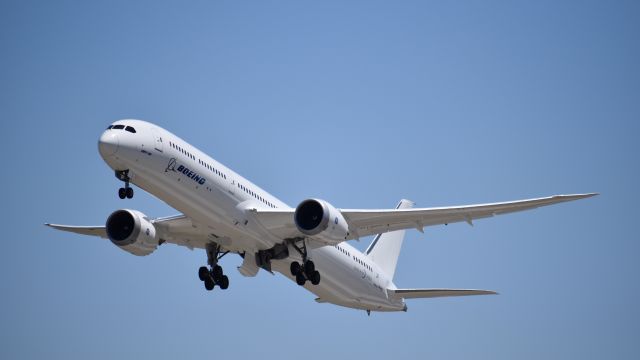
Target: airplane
[222,213]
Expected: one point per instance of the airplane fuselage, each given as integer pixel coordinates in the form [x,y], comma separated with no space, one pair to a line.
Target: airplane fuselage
[215,198]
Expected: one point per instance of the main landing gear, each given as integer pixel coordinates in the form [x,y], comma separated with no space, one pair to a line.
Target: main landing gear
[215,275]
[306,270]
[126,191]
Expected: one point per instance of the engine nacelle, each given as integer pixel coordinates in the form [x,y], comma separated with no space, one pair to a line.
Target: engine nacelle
[320,220]
[132,231]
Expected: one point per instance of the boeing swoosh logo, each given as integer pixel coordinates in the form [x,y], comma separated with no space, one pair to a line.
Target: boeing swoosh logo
[171,166]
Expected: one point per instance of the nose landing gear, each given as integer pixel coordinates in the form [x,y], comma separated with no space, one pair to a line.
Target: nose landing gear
[126,191]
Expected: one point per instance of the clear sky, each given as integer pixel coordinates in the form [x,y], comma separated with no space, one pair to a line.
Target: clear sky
[361,103]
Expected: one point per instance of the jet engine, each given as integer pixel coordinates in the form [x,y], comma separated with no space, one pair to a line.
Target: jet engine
[132,231]
[320,220]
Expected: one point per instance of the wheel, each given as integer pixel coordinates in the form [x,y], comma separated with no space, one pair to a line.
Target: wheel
[295,268]
[122,193]
[309,268]
[203,273]
[129,193]
[217,273]
[300,279]
[315,278]
[224,283]
[208,284]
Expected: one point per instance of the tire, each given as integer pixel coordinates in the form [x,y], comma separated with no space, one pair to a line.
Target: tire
[129,193]
[300,279]
[315,278]
[224,283]
[295,268]
[309,268]
[208,284]
[203,273]
[217,272]
[122,193]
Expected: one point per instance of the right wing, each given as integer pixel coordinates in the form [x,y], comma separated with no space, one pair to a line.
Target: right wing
[365,222]
[433,293]
[369,222]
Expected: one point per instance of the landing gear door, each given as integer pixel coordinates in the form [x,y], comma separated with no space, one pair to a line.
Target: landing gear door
[157,137]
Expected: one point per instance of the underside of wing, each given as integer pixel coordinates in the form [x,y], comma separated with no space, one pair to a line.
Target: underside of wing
[179,230]
[363,222]
[369,222]
[279,222]
[82,230]
[434,293]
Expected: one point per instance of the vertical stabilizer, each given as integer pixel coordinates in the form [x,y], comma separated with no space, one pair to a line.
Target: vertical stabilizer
[385,248]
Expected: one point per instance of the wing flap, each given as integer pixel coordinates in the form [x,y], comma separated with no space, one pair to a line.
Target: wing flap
[434,293]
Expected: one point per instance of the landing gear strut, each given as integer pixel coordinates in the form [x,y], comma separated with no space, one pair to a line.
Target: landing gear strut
[215,275]
[306,270]
[126,191]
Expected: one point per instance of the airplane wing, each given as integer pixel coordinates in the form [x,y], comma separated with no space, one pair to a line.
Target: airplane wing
[433,293]
[369,222]
[179,230]
[82,230]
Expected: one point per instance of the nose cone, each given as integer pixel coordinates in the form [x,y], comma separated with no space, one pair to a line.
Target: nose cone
[108,143]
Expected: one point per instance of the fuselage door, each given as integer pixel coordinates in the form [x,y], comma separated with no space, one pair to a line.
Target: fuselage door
[158,144]
[232,185]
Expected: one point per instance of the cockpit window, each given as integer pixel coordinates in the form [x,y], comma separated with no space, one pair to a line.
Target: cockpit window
[110,126]
[118,127]
[130,129]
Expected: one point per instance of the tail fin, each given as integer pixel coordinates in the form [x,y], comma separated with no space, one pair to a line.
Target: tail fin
[385,248]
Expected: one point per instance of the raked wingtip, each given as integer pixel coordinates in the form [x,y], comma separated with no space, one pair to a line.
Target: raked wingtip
[578,196]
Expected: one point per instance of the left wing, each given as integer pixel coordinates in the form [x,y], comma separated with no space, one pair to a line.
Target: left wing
[179,230]
[363,223]
[82,230]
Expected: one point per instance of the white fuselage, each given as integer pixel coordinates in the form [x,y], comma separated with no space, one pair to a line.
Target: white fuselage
[213,196]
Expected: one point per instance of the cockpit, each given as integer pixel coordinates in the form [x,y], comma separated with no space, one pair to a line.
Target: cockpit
[121,127]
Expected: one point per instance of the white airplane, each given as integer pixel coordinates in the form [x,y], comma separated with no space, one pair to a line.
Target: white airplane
[222,212]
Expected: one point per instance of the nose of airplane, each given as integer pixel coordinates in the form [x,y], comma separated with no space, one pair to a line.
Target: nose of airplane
[108,143]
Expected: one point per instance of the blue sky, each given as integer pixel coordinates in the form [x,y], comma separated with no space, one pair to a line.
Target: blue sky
[360,103]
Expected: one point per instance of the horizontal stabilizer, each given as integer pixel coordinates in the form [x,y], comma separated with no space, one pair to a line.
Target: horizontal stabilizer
[433,293]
